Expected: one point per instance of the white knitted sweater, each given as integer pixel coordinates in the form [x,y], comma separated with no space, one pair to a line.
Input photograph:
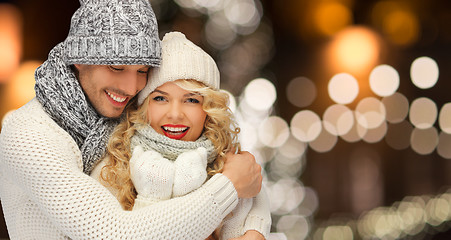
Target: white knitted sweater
[45,194]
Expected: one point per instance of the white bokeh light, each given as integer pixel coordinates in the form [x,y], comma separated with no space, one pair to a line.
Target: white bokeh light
[324,142]
[374,135]
[424,72]
[305,126]
[444,142]
[397,107]
[398,135]
[423,113]
[301,91]
[343,88]
[338,119]
[424,141]
[260,94]
[444,118]
[384,80]
[292,148]
[370,112]
[273,132]
[294,226]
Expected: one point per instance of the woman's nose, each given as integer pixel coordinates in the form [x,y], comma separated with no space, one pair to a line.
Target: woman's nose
[175,111]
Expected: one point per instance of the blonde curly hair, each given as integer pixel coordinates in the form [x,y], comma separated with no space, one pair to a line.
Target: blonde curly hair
[220,128]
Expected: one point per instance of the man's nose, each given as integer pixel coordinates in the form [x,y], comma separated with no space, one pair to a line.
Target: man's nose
[132,83]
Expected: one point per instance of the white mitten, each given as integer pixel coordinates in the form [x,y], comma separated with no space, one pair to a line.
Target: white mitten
[152,175]
[190,171]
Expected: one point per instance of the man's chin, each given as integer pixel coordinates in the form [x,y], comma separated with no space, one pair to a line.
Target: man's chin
[112,114]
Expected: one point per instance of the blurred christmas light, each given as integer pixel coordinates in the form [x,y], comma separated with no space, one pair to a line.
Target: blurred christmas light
[443,149]
[424,72]
[398,135]
[10,40]
[397,107]
[301,91]
[20,89]
[338,119]
[355,133]
[331,17]
[384,80]
[292,148]
[273,132]
[354,50]
[424,141]
[324,142]
[305,126]
[343,88]
[370,113]
[423,113]
[260,94]
[374,135]
[444,118]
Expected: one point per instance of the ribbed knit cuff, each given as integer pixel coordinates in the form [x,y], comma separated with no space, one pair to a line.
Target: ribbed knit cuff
[223,192]
[141,202]
[257,223]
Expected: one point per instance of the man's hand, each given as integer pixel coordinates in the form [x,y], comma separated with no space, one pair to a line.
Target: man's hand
[244,172]
[250,235]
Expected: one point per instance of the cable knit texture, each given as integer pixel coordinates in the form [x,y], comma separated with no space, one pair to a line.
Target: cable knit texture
[113,32]
[45,194]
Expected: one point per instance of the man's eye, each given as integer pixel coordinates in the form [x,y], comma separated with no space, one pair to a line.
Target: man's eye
[144,71]
[116,69]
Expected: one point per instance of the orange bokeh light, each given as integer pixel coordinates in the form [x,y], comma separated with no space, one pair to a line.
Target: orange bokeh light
[10,40]
[331,17]
[355,50]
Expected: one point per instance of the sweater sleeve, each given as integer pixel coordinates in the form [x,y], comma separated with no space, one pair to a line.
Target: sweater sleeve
[44,162]
[259,217]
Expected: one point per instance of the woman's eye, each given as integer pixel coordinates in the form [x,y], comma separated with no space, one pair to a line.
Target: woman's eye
[192,100]
[159,98]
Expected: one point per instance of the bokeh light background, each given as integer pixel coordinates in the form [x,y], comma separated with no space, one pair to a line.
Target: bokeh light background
[345,103]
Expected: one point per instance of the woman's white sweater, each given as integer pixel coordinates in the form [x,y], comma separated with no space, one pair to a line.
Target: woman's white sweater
[45,194]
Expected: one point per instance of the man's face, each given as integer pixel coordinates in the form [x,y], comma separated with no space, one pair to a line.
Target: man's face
[110,87]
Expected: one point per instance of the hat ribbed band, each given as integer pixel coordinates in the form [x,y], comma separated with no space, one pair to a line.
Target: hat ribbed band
[120,50]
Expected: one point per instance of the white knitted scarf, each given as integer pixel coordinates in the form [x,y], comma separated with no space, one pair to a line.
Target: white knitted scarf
[149,139]
[62,97]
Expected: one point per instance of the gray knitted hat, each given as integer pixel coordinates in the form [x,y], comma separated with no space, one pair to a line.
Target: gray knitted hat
[113,32]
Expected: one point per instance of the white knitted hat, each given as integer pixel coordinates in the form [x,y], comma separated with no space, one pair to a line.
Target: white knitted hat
[181,59]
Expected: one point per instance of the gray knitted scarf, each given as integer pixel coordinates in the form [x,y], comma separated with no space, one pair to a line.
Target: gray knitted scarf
[148,138]
[62,97]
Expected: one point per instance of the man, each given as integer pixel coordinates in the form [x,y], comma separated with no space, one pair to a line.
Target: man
[49,146]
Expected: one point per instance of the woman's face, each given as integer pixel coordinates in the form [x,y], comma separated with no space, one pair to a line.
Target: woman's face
[176,112]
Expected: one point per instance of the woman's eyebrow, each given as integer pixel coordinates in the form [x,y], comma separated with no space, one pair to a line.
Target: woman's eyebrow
[159,91]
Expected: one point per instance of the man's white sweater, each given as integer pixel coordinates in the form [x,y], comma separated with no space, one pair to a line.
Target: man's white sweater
[45,194]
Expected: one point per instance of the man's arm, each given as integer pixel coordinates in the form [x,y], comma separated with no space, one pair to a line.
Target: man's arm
[44,162]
